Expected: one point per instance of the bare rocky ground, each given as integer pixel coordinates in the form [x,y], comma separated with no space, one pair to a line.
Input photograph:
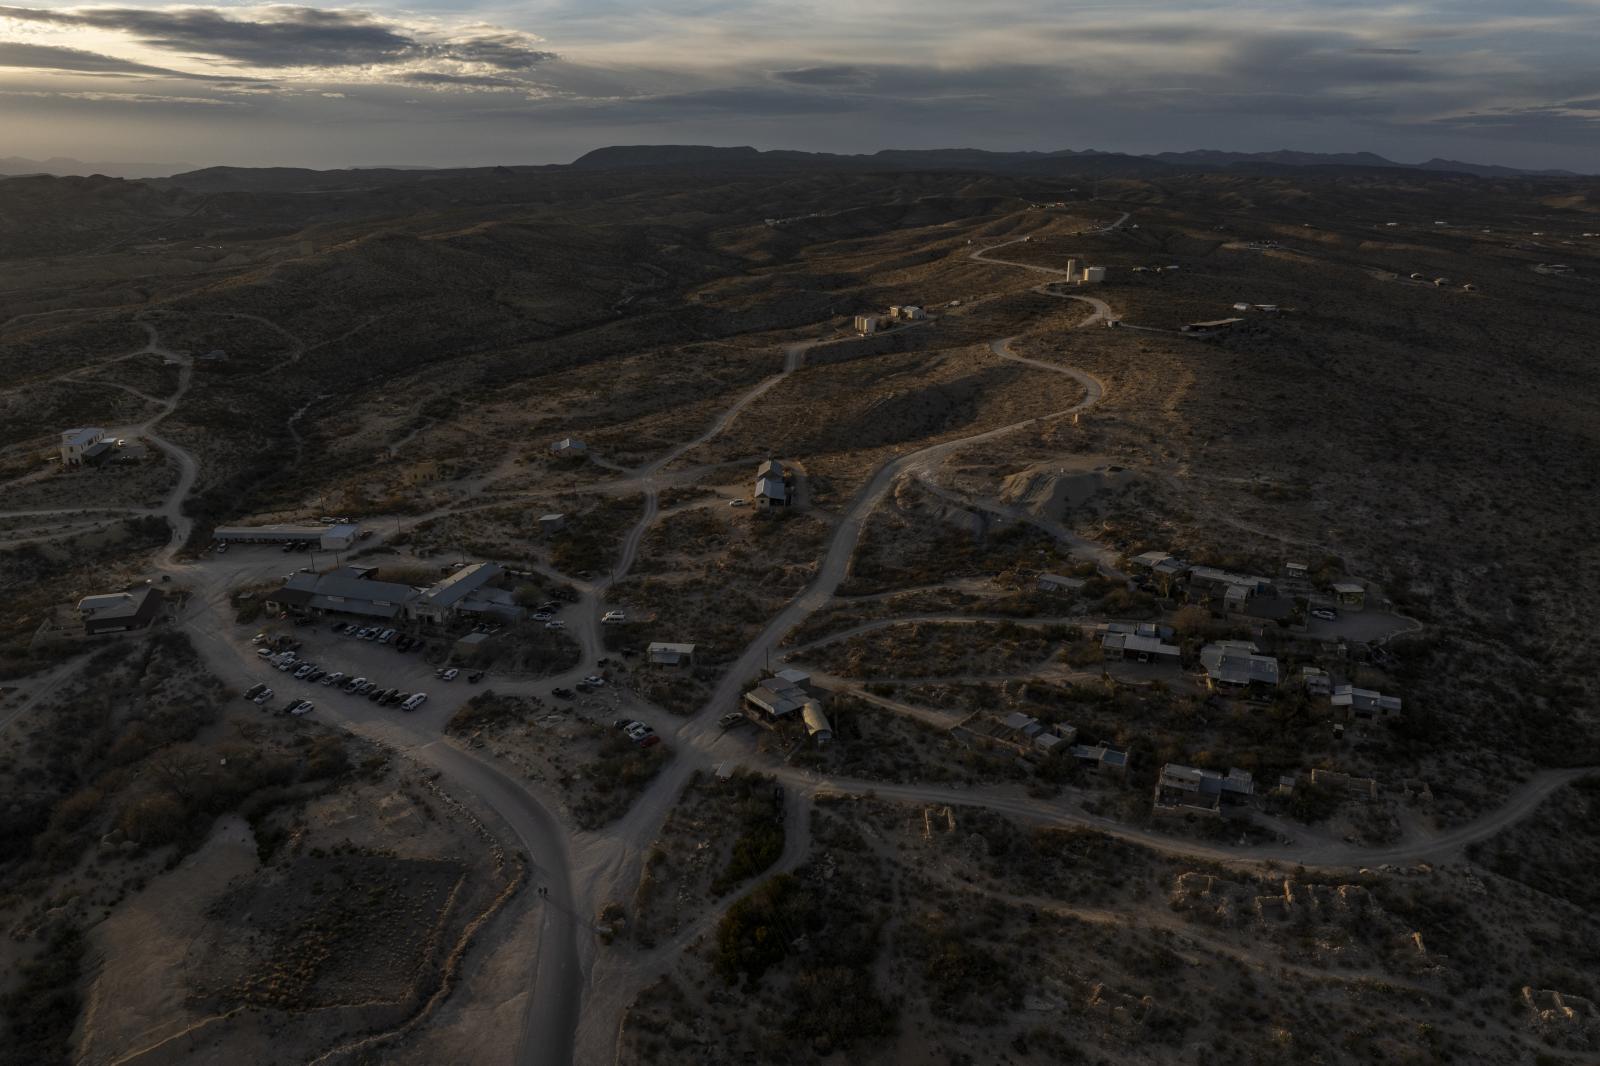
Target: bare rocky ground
[963,937]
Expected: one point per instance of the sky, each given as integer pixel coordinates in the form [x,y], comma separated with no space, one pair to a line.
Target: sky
[459,82]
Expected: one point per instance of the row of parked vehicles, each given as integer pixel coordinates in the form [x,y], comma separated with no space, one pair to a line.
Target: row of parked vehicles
[261,695]
[312,674]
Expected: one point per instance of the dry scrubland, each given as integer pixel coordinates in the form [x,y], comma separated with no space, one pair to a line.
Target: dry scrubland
[405,348]
[979,940]
[180,862]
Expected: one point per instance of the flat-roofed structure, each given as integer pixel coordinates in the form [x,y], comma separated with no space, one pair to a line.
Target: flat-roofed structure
[665,654]
[116,612]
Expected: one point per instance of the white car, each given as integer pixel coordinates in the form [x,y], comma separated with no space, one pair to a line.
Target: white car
[614,618]
[594,679]
[265,653]
[1324,614]
[303,707]
[222,548]
[738,501]
[386,636]
[449,675]
[306,668]
[415,701]
[263,696]
[259,638]
[555,624]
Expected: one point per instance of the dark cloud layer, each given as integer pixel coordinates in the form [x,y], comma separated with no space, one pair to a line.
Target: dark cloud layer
[291,37]
[76,60]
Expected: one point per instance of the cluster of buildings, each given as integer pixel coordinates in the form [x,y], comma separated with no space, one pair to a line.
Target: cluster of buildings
[1141,642]
[1189,790]
[86,446]
[1231,594]
[788,697]
[868,324]
[468,593]
[1026,737]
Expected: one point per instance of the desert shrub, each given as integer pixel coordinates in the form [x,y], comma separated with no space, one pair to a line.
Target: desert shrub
[42,1009]
[756,932]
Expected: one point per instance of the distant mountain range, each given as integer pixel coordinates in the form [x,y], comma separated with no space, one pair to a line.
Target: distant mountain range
[691,155]
[65,167]
[980,159]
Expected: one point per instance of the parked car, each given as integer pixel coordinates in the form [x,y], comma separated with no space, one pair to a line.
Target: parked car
[258,638]
[542,616]
[304,671]
[731,719]
[738,502]
[449,675]
[417,700]
[303,707]
[354,683]
[367,688]
[401,643]
[222,549]
[254,690]
[555,624]
[474,677]
[613,618]
[386,636]
[1324,613]
[595,679]
[334,678]
[339,627]
[263,696]
[399,697]
[377,694]
[561,693]
[370,634]
[265,653]
[287,665]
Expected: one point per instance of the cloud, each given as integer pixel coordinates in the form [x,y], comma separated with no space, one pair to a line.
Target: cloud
[833,74]
[1385,51]
[285,37]
[55,57]
[474,81]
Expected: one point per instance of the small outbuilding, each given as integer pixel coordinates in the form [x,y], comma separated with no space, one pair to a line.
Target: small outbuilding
[552,523]
[569,448]
[663,654]
[817,726]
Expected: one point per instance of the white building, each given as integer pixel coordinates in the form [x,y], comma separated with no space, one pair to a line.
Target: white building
[866,325]
[78,444]
[569,448]
[552,523]
[1094,275]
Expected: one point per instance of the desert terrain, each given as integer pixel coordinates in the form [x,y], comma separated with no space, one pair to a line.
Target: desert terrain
[910,747]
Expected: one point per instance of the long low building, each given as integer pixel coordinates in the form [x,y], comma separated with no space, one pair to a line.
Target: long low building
[347,590]
[354,590]
[329,538]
